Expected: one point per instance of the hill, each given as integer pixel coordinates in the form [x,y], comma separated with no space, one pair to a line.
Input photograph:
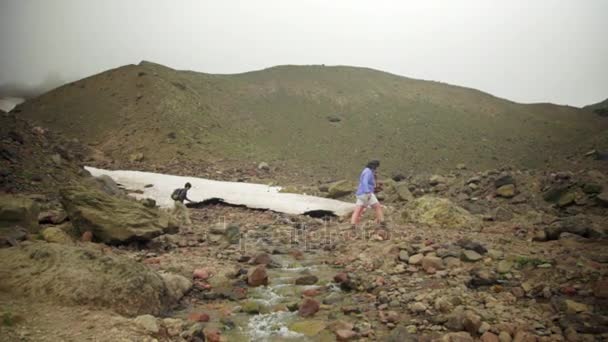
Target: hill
[600,108]
[305,120]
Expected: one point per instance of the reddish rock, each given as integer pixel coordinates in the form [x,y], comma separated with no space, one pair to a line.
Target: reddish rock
[389,316]
[489,337]
[87,236]
[257,276]
[568,290]
[151,261]
[213,335]
[201,273]
[309,307]
[311,292]
[600,289]
[523,336]
[198,317]
[261,259]
[298,255]
[341,277]
[307,280]
[345,335]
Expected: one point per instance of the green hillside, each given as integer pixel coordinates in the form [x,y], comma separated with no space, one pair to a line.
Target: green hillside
[309,120]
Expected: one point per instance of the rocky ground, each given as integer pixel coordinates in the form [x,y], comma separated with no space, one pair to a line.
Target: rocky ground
[502,255]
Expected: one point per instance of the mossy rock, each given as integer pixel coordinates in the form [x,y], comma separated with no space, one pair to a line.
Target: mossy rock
[340,189]
[19,211]
[309,328]
[440,212]
[113,220]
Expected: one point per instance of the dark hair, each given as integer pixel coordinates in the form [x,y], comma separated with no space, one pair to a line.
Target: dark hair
[373,164]
[188,185]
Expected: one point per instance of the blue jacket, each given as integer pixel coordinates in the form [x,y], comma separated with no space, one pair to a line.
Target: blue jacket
[367,183]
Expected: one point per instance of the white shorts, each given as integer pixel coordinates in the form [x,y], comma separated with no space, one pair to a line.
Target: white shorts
[366,200]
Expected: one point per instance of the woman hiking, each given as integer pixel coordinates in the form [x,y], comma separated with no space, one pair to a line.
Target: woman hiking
[365,195]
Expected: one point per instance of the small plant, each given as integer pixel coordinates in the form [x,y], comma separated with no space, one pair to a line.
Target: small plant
[7,319]
[523,261]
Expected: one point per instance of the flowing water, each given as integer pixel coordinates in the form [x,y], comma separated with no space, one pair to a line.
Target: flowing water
[273,325]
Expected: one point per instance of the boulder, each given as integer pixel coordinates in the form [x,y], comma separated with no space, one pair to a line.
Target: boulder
[56,235]
[403,192]
[437,179]
[439,212]
[307,280]
[83,276]
[504,179]
[113,220]
[148,323]
[233,233]
[340,189]
[506,191]
[257,276]
[309,307]
[430,263]
[52,217]
[469,255]
[19,211]
[177,286]
[108,185]
[602,198]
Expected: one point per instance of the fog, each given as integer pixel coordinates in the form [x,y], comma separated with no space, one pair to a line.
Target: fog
[526,51]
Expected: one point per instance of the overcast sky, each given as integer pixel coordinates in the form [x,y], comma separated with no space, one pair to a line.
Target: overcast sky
[523,50]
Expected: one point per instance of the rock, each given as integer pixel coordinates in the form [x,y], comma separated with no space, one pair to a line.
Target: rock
[401,334]
[457,337]
[233,233]
[339,189]
[566,199]
[201,273]
[404,256]
[257,276]
[439,212]
[263,166]
[431,263]
[309,307]
[592,188]
[481,277]
[308,328]
[52,217]
[471,245]
[489,337]
[148,323]
[506,191]
[554,193]
[87,236]
[502,214]
[471,256]
[600,289]
[504,266]
[136,157]
[585,323]
[573,307]
[198,317]
[602,199]
[56,235]
[149,203]
[345,335]
[19,211]
[177,286]
[83,275]
[341,278]
[108,185]
[437,179]
[415,259]
[471,322]
[332,298]
[252,307]
[418,307]
[504,337]
[113,220]
[10,236]
[307,280]
[504,179]
[403,192]
[212,335]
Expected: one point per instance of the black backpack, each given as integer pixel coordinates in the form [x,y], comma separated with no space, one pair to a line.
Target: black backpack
[175,194]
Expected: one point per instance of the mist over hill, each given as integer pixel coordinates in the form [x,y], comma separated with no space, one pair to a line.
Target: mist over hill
[309,119]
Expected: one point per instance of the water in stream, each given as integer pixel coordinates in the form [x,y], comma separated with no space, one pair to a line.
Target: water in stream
[281,291]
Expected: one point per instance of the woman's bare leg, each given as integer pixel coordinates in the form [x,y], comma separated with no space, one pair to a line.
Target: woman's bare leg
[379,214]
[356,215]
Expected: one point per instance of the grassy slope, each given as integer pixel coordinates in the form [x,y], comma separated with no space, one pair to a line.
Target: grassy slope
[280,115]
